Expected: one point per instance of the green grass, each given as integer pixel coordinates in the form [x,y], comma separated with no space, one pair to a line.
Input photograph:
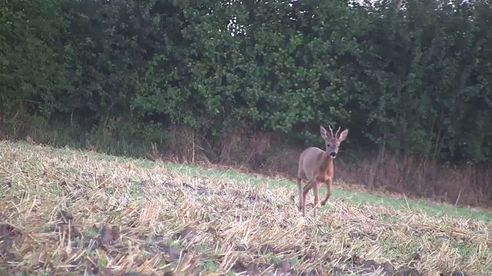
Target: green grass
[434,209]
[355,197]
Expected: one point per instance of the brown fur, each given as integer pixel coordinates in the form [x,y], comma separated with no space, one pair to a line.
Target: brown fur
[316,167]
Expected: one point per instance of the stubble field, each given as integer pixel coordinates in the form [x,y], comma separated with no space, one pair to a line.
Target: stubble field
[66,211]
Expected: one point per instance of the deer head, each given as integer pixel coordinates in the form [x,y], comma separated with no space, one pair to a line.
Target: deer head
[332,141]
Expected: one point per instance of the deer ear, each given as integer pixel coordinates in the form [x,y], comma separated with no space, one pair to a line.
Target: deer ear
[324,134]
[343,135]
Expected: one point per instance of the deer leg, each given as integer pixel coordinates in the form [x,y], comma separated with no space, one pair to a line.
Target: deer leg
[299,185]
[308,186]
[328,191]
[316,196]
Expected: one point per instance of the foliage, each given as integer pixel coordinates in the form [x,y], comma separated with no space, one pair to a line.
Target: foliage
[32,71]
[415,80]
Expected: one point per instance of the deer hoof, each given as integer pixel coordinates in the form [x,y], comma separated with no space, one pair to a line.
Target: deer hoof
[323,203]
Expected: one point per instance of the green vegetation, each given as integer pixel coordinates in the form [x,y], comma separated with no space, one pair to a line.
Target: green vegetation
[133,78]
[414,80]
[412,83]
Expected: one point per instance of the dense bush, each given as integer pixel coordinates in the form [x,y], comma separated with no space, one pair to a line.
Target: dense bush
[412,80]
[32,56]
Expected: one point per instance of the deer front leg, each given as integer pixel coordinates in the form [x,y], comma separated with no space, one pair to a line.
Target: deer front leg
[328,191]
[306,189]
[316,196]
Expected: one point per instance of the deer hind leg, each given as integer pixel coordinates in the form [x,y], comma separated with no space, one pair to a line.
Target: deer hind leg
[328,191]
[299,185]
[305,191]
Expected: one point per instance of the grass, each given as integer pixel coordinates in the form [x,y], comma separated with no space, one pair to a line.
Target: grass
[358,198]
[69,212]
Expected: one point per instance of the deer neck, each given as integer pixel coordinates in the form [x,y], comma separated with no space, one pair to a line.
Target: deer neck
[327,164]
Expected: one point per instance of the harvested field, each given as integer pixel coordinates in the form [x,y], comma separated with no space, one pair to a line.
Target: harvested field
[64,211]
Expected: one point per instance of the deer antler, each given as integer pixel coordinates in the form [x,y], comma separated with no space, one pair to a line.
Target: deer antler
[336,134]
[331,130]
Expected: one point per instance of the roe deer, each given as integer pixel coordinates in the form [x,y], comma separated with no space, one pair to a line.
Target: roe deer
[316,167]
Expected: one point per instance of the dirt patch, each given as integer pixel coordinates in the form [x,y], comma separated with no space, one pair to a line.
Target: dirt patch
[359,265]
[109,234]
[65,224]
[7,235]
[184,233]
[249,267]
[458,273]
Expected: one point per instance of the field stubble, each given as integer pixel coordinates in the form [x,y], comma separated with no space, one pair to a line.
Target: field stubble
[65,211]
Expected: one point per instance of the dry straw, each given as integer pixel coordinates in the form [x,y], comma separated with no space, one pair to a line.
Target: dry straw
[65,211]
